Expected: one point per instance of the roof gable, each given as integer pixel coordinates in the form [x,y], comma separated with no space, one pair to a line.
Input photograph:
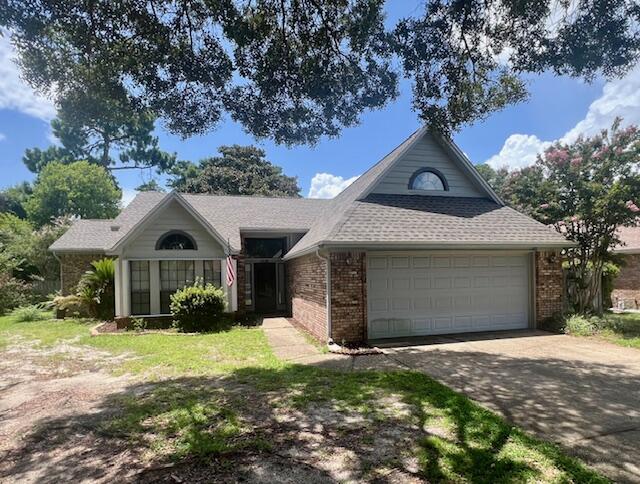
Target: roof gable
[340,208]
[429,154]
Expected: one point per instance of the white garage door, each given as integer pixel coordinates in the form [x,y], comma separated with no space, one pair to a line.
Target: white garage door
[439,293]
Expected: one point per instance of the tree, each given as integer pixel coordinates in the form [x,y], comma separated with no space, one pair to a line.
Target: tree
[296,70]
[241,170]
[12,199]
[24,250]
[78,189]
[586,190]
[495,178]
[103,131]
[149,186]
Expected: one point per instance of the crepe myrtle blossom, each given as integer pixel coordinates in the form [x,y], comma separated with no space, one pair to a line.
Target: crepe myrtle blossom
[632,206]
[544,206]
[575,162]
[559,156]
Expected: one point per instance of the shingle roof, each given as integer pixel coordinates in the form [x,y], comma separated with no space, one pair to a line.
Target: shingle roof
[227,214]
[85,236]
[353,217]
[440,220]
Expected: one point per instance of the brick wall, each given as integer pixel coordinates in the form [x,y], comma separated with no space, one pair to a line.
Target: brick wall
[348,297]
[306,281]
[626,287]
[549,286]
[72,266]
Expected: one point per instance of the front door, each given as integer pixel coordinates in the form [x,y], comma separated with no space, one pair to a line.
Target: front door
[265,287]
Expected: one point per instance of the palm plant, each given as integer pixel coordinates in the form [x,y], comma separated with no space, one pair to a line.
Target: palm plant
[96,288]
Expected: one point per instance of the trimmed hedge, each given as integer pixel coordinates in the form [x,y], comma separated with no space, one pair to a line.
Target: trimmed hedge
[199,308]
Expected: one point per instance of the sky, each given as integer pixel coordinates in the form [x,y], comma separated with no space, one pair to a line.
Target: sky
[558,108]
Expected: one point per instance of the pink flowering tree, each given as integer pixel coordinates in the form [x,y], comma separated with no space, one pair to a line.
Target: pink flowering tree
[586,190]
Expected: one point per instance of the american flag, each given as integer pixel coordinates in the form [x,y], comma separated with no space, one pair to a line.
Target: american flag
[231,272]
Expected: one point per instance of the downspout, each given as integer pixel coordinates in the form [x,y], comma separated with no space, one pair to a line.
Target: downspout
[60,265]
[328,290]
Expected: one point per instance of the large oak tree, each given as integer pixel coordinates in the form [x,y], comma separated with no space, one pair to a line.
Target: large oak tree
[296,70]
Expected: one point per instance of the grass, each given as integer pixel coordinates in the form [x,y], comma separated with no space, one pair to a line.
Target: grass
[622,329]
[225,393]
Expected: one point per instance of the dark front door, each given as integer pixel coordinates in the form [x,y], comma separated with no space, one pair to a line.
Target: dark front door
[265,285]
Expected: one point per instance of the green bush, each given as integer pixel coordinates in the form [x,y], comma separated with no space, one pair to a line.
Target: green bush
[29,313]
[13,293]
[96,289]
[71,305]
[199,308]
[581,325]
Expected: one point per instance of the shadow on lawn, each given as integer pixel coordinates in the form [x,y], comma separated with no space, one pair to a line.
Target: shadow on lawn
[293,424]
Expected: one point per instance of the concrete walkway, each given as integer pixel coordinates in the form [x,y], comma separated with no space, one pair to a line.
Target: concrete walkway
[290,345]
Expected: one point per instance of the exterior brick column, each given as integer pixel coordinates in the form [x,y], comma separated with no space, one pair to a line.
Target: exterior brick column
[307,289]
[72,267]
[549,286]
[348,297]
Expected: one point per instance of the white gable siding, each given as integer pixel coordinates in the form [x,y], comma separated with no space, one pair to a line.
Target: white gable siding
[173,217]
[427,153]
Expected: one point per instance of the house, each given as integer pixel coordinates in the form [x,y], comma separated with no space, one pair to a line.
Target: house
[626,287]
[417,245]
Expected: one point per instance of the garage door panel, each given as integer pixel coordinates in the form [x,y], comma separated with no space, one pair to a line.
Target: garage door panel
[439,293]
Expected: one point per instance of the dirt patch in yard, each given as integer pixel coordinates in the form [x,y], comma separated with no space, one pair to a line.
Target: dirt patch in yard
[58,405]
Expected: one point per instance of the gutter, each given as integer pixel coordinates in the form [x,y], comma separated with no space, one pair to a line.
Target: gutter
[328,290]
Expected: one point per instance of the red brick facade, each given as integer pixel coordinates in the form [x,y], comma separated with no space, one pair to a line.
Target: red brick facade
[348,296]
[626,287]
[549,288]
[307,287]
[72,267]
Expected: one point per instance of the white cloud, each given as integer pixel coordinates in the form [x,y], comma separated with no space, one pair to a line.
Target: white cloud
[128,194]
[16,94]
[620,98]
[326,185]
[2,137]
[519,150]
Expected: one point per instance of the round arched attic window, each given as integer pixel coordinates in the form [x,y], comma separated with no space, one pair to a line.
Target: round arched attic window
[428,179]
[176,240]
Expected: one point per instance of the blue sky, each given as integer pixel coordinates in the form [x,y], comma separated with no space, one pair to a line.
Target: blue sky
[558,108]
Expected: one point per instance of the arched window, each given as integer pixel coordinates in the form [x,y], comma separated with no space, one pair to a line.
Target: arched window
[428,179]
[176,240]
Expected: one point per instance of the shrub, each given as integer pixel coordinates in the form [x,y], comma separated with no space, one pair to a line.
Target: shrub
[72,305]
[96,288]
[199,308]
[29,313]
[581,325]
[13,293]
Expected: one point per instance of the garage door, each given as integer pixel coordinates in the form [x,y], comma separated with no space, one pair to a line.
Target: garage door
[438,293]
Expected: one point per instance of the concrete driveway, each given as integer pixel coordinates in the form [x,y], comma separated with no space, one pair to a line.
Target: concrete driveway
[581,393]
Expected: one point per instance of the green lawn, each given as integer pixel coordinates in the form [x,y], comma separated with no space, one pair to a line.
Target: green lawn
[623,329]
[223,394]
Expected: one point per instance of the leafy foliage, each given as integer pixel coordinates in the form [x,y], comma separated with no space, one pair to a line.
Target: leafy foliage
[97,288]
[12,199]
[29,313]
[149,186]
[240,170]
[199,308]
[24,249]
[72,305]
[296,70]
[586,190]
[79,189]
[92,128]
[13,292]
